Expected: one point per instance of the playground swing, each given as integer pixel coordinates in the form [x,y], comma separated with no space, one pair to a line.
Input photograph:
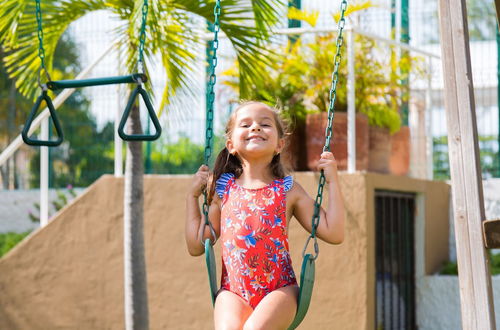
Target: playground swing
[308,265]
[137,78]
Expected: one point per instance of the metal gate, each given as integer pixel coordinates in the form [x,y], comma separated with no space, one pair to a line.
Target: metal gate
[395,260]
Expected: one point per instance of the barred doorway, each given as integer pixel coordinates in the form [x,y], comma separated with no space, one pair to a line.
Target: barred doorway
[395,260]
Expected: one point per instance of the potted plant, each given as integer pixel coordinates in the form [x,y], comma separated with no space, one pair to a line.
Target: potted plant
[378,96]
[299,83]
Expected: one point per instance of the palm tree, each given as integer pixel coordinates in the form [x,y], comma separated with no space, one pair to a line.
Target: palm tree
[172,33]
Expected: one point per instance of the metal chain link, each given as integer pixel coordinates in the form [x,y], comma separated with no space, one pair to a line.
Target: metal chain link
[209,132]
[328,130]
[142,36]
[41,50]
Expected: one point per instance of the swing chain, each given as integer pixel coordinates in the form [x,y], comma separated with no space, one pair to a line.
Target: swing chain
[210,111]
[41,50]
[328,130]
[142,36]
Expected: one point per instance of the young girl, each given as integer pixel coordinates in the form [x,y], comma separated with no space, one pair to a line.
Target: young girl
[252,202]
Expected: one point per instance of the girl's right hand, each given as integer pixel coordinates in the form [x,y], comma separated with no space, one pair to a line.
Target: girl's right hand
[200,181]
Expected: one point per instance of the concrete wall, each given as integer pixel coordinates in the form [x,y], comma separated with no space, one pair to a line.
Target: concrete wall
[438,299]
[69,274]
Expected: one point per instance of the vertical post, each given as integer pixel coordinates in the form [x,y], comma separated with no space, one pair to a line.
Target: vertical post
[498,98]
[393,19]
[497,6]
[44,175]
[405,38]
[351,104]
[118,115]
[293,23]
[428,124]
[468,204]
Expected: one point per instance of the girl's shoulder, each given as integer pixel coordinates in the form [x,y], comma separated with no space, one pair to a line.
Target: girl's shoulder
[296,191]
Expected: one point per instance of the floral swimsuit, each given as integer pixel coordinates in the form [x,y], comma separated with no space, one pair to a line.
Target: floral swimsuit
[255,257]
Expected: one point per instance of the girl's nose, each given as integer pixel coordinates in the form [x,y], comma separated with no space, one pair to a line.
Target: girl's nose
[256,128]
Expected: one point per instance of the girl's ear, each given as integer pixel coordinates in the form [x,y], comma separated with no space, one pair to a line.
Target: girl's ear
[281,145]
[230,147]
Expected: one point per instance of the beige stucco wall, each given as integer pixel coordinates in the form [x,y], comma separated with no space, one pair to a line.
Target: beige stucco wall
[69,274]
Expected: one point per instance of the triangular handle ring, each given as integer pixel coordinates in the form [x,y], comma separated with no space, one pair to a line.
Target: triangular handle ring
[139,137]
[55,120]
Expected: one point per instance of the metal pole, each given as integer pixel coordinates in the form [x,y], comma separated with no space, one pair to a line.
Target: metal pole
[118,141]
[405,38]
[498,102]
[294,23]
[351,105]
[44,175]
[428,123]
[118,147]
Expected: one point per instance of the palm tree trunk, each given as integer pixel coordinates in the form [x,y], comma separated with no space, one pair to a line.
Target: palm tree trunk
[136,294]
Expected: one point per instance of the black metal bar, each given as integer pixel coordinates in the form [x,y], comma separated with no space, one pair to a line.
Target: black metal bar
[383,261]
[405,273]
[399,261]
[392,263]
[378,263]
[412,264]
[395,255]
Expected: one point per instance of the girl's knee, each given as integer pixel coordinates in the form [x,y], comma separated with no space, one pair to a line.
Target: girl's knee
[228,325]
[252,324]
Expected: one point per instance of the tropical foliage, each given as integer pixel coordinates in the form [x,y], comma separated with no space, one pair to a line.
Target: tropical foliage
[182,156]
[300,80]
[173,31]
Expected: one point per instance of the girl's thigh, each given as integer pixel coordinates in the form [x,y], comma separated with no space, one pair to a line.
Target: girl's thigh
[231,311]
[276,311]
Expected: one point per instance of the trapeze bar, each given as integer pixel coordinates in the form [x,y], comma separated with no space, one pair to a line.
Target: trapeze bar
[62,84]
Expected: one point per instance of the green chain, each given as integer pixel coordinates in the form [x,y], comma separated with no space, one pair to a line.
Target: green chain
[142,37]
[41,50]
[328,130]
[209,132]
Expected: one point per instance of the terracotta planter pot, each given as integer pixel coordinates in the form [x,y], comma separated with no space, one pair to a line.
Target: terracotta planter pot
[379,150]
[399,163]
[315,139]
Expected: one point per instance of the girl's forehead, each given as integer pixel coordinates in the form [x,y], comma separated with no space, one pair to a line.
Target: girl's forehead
[254,111]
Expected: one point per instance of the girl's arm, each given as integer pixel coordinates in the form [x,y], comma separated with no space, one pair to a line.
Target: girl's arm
[195,229]
[331,224]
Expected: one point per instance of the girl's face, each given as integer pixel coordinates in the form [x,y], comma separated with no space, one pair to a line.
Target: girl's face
[255,133]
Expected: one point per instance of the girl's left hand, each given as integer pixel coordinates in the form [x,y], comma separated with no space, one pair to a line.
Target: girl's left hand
[328,164]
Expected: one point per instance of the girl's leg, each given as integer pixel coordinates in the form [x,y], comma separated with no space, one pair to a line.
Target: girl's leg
[231,311]
[276,311]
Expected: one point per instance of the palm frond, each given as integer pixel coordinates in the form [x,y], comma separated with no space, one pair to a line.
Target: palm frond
[18,34]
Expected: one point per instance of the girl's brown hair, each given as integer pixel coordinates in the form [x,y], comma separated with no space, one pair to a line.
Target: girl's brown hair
[228,163]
